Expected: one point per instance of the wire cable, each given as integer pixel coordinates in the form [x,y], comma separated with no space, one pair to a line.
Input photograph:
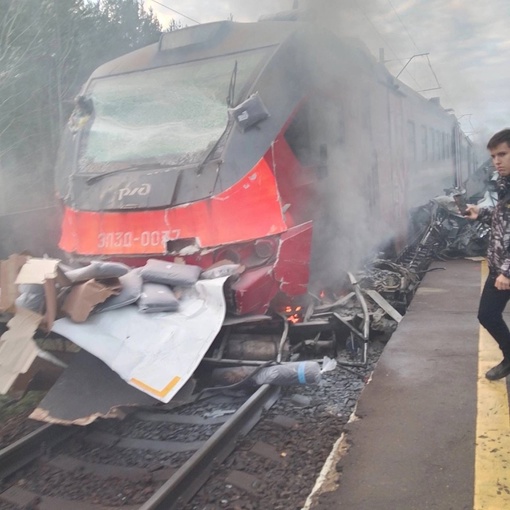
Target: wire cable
[418,49]
[177,12]
[385,42]
[405,28]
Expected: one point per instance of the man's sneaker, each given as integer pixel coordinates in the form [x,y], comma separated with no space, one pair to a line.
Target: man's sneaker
[499,371]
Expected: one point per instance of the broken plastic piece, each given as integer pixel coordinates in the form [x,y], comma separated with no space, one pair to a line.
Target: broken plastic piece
[290,374]
[250,112]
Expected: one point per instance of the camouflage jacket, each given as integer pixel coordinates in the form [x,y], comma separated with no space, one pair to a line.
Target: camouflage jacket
[498,252]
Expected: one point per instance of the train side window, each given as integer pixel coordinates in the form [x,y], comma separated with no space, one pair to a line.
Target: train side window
[443,146]
[411,140]
[432,144]
[424,143]
[297,136]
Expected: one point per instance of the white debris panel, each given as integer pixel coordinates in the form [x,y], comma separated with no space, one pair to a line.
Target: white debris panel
[156,353]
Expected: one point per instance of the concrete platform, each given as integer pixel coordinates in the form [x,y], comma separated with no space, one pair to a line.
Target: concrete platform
[414,443]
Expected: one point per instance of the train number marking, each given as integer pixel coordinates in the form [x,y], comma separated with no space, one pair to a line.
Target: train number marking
[146,239]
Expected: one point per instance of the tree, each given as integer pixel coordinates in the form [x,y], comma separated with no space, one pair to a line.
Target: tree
[48,48]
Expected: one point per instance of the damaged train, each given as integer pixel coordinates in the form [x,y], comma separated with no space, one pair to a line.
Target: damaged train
[274,145]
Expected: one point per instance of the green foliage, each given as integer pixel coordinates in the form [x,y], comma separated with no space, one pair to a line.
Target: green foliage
[48,48]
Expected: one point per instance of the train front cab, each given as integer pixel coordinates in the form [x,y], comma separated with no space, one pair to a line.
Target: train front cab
[243,198]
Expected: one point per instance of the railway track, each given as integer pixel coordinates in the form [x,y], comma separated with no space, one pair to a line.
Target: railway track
[154,459]
[197,456]
[110,464]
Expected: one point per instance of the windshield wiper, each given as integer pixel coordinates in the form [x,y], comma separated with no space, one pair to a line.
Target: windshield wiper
[232,87]
[130,168]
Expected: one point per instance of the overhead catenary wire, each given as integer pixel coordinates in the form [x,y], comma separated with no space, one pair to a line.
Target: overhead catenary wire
[418,49]
[408,33]
[177,12]
[365,15]
[405,28]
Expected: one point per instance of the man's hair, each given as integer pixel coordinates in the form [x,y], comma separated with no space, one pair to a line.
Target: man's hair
[500,137]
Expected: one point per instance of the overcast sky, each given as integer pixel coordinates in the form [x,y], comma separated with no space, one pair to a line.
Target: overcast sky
[468,44]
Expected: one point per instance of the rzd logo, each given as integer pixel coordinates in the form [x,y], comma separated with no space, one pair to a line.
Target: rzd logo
[141,191]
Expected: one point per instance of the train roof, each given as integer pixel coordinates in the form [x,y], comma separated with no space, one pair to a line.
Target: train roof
[200,42]
[224,37]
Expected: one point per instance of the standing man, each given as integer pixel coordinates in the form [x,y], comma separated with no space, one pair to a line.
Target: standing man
[496,292]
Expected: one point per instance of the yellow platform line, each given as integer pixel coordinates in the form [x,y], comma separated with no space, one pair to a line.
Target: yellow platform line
[492,453]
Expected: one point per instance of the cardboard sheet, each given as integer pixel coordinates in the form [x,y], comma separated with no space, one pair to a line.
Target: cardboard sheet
[20,357]
[21,360]
[83,296]
[102,394]
[155,353]
[38,271]
[9,270]
[87,390]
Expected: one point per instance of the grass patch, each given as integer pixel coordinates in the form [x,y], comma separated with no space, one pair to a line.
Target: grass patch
[10,407]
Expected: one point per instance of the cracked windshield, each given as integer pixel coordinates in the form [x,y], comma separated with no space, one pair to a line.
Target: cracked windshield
[171,114]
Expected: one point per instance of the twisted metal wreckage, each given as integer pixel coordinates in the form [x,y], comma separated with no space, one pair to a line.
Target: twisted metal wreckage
[102,308]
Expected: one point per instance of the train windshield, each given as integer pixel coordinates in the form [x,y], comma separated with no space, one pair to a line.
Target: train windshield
[171,115]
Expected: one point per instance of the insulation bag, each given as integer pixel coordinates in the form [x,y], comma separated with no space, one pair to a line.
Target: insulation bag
[157,297]
[129,293]
[98,270]
[32,297]
[169,273]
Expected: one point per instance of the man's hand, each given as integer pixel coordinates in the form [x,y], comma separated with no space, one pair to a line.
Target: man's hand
[471,211]
[502,283]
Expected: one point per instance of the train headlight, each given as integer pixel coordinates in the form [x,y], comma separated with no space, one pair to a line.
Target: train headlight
[265,248]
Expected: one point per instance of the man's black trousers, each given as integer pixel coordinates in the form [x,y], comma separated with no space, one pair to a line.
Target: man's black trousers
[490,314]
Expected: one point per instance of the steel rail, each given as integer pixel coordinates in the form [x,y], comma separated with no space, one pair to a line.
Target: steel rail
[33,445]
[188,479]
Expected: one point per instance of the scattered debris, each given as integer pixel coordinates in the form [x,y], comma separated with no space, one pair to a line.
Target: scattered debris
[155,325]
[96,308]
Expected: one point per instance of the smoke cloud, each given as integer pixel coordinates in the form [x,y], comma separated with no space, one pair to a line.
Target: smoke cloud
[466,43]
